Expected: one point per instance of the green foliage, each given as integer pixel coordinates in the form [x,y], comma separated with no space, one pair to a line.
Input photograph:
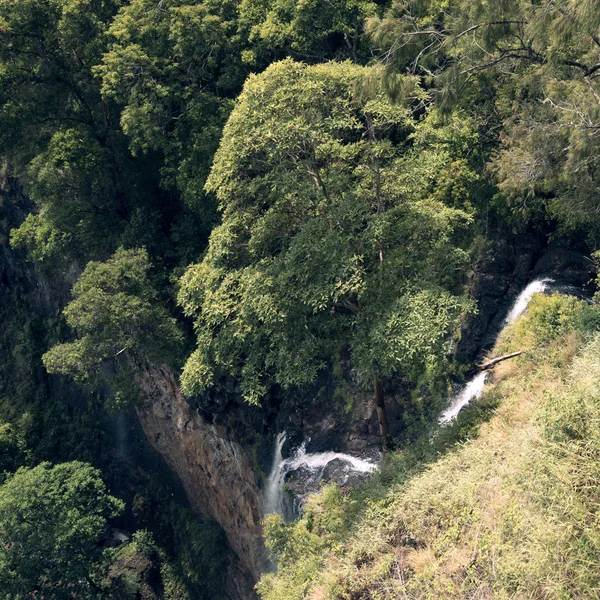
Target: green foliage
[548,318]
[200,543]
[51,420]
[332,237]
[51,519]
[21,373]
[348,207]
[298,548]
[310,30]
[64,140]
[42,239]
[195,549]
[55,128]
[140,569]
[173,66]
[114,312]
[93,213]
[537,62]
[12,449]
[45,50]
[315,552]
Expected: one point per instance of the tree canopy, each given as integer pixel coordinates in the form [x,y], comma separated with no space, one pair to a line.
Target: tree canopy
[57,132]
[335,235]
[51,520]
[304,187]
[115,313]
[539,61]
[308,30]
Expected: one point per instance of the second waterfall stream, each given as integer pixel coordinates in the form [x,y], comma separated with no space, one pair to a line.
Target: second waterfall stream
[474,388]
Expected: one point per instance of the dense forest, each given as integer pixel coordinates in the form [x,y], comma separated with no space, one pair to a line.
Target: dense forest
[230,229]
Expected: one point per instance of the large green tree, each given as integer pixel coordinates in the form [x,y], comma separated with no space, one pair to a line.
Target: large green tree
[63,134]
[51,520]
[56,132]
[338,235]
[174,67]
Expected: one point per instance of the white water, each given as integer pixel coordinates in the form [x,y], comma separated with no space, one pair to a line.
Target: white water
[274,486]
[474,388]
[314,462]
[535,287]
[319,460]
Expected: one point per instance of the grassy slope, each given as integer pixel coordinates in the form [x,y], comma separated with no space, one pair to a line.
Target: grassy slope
[511,513]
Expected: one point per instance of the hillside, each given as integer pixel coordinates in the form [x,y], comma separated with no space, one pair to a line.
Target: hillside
[501,504]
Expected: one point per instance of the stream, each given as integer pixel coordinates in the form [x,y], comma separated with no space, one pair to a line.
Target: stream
[311,467]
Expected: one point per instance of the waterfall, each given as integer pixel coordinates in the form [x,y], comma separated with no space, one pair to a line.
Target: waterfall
[121,437]
[320,460]
[474,388]
[274,487]
[537,286]
[315,463]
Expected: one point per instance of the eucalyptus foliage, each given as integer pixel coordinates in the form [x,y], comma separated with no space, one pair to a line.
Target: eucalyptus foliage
[55,130]
[309,30]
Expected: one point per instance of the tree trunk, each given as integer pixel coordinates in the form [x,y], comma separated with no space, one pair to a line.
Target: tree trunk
[382,419]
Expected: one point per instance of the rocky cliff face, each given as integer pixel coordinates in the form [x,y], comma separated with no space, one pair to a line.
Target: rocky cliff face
[217,477]
[214,470]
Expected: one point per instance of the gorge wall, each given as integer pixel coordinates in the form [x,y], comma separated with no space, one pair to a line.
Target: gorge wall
[212,461]
[218,478]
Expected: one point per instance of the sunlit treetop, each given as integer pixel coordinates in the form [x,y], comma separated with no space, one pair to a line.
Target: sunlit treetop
[336,234]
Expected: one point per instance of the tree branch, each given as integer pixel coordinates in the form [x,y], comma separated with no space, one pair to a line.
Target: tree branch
[492,363]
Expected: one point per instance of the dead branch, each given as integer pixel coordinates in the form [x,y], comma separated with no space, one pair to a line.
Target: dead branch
[492,363]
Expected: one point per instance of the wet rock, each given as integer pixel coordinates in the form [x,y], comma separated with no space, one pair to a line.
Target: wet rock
[505,270]
[116,537]
[498,277]
[305,480]
[569,266]
[338,472]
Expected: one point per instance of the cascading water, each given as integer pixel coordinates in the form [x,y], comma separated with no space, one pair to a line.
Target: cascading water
[474,388]
[319,460]
[537,286]
[314,463]
[121,437]
[274,487]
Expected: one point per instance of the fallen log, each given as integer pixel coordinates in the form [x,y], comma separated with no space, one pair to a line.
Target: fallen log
[492,363]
